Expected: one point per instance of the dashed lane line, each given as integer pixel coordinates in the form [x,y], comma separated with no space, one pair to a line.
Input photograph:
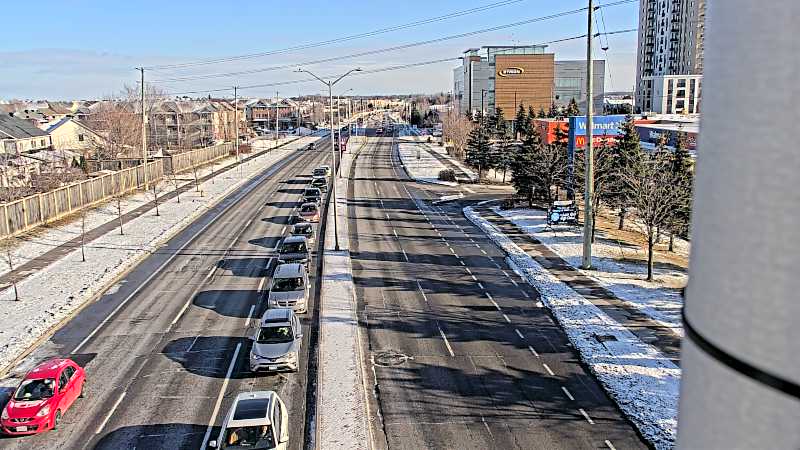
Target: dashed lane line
[548,369]
[480,285]
[588,419]
[110,413]
[506,318]
[568,394]
[519,333]
[446,342]
[610,445]
[221,395]
[533,351]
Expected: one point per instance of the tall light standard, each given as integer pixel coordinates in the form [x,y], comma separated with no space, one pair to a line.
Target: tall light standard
[339,122]
[588,192]
[333,144]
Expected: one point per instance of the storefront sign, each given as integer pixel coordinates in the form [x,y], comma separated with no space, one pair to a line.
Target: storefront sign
[510,71]
[563,212]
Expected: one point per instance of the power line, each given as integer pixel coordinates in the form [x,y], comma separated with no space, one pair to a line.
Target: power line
[337,40]
[385,69]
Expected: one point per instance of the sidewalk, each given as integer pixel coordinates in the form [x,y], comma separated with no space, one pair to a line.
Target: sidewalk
[41,247]
[343,422]
[645,328]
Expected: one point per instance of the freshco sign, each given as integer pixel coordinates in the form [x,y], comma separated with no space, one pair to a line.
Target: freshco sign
[510,71]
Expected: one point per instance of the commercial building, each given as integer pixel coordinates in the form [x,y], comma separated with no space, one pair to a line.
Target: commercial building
[671,39]
[502,77]
[674,94]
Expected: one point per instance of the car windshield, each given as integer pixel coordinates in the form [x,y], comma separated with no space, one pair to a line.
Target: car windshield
[287,284]
[294,247]
[275,335]
[259,437]
[308,208]
[304,230]
[35,389]
[318,172]
[318,181]
[312,192]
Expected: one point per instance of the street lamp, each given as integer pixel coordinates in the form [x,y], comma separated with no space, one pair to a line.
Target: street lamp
[483,95]
[333,144]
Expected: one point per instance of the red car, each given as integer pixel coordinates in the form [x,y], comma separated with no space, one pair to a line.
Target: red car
[41,399]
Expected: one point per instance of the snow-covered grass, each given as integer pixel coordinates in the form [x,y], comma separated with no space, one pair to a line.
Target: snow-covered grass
[420,164]
[640,379]
[620,268]
[441,151]
[53,293]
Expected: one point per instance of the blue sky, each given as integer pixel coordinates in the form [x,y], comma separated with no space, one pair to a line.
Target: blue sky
[89,49]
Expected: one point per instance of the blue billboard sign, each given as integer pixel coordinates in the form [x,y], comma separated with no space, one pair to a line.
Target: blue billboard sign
[601,125]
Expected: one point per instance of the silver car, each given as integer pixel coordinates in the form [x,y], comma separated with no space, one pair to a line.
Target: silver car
[289,288]
[276,343]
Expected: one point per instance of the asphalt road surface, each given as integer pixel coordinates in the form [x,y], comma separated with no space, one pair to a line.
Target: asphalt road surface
[165,349]
[464,356]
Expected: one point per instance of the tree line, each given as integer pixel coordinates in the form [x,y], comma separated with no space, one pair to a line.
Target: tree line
[652,187]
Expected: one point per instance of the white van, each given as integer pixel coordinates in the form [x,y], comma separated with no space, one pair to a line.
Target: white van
[289,288]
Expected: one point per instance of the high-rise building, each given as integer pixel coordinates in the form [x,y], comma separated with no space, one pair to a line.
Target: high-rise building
[504,77]
[670,43]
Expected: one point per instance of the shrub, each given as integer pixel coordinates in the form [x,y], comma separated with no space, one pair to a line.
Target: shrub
[447,175]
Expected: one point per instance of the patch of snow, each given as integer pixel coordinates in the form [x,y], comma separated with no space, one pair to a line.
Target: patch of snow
[420,164]
[53,293]
[640,379]
[617,267]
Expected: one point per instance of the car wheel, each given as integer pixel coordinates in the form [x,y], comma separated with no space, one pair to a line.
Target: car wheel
[57,419]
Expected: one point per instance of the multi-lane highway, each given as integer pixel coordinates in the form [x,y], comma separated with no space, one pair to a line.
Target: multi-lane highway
[463,354]
[165,349]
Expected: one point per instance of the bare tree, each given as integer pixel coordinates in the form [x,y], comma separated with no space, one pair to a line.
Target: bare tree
[7,245]
[656,193]
[456,129]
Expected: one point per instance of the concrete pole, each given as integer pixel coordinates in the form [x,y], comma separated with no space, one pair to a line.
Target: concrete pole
[276,118]
[333,172]
[588,194]
[144,135]
[741,372]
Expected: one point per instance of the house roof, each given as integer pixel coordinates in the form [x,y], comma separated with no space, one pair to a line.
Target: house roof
[64,120]
[17,128]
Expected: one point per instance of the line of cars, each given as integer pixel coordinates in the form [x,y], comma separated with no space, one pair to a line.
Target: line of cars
[259,419]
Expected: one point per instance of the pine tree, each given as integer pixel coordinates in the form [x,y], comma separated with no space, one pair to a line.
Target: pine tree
[499,123]
[572,108]
[626,152]
[555,111]
[521,122]
[542,114]
[684,176]
[479,149]
[523,174]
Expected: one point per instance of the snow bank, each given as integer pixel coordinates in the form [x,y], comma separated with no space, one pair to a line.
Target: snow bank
[615,267]
[640,379]
[52,294]
[420,164]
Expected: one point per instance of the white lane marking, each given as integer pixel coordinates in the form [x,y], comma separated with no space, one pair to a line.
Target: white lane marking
[283,230]
[484,252]
[446,342]
[514,283]
[507,319]
[506,273]
[469,190]
[452,251]
[480,285]
[249,316]
[469,271]
[525,294]
[462,263]
[519,333]
[445,242]
[533,351]
[387,217]
[477,246]
[474,278]
[220,396]
[110,413]
[404,254]
[568,394]
[548,369]
[588,419]
[395,233]
[425,297]
[191,297]
[610,445]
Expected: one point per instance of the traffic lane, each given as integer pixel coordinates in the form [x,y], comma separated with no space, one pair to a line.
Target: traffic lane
[129,335]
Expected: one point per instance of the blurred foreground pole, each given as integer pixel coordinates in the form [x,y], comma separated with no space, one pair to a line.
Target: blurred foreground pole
[741,365]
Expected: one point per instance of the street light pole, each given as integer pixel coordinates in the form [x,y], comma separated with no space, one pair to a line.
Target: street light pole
[276,118]
[333,145]
[588,194]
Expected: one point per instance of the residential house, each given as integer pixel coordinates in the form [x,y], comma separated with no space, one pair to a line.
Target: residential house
[75,135]
[21,136]
[261,113]
[179,124]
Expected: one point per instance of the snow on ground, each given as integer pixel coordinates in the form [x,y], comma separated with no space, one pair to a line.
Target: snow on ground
[38,241]
[342,410]
[619,268]
[420,164]
[441,151]
[640,379]
[53,293]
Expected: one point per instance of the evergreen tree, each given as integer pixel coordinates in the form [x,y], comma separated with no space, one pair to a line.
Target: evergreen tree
[572,108]
[523,175]
[479,149]
[499,123]
[626,152]
[521,122]
[682,167]
[555,111]
[542,114]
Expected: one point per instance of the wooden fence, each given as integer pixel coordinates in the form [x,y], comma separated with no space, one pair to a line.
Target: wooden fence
[29,212]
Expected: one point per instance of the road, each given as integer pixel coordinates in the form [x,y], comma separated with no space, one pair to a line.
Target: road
[463,354]
[165,349]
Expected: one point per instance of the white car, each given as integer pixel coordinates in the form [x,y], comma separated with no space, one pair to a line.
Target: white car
[256,420]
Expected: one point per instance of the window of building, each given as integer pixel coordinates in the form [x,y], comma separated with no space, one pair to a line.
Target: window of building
[80,138]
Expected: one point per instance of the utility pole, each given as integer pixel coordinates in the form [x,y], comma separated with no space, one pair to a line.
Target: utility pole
[144,135]
[588,194]
[236,120]
[276,117]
